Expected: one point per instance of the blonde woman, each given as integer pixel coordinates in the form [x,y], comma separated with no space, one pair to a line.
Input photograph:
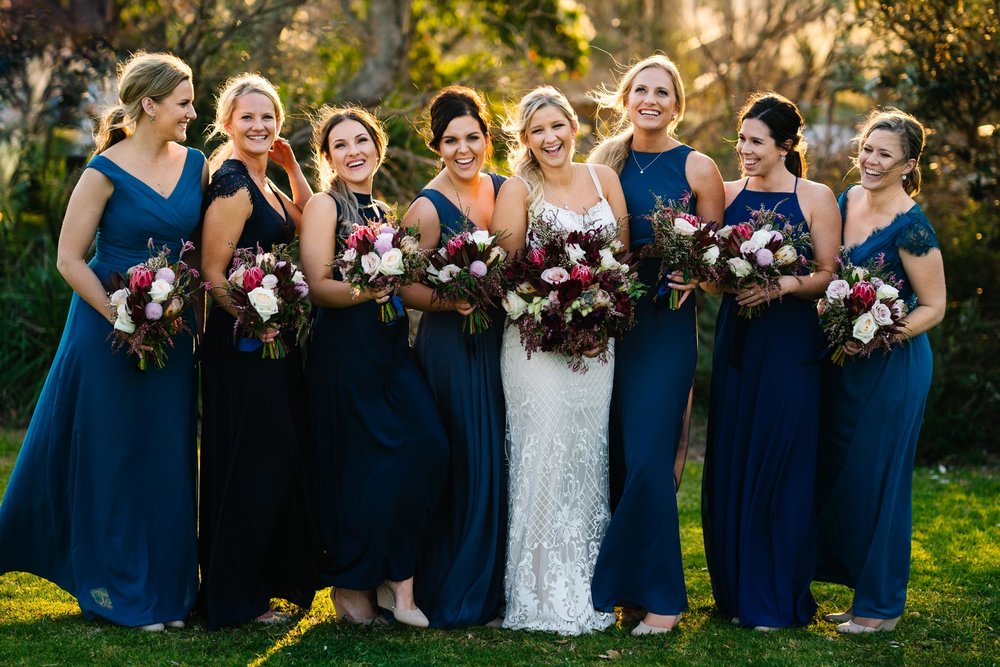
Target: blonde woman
[256,534]
[557,419]
[102,497]
[640,566]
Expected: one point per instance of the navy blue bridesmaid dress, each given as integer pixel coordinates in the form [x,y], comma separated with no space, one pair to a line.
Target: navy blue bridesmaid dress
[257,539]
[640,559]
[460,578]
[871,413]
[102,498]
[381,451]
[760,459]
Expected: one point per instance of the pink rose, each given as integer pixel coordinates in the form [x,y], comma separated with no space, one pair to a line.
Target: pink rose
[555,275]
[583,274]
[865,293]
[140,278]
[252,278]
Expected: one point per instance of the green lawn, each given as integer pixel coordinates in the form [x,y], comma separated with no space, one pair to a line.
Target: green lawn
[952,616]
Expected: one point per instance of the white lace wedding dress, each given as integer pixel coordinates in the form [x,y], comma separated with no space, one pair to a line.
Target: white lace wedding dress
[557,425]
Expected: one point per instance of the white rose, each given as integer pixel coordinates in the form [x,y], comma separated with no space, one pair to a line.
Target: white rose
[882,314]
[684,227]
[370,263]
[886,292]
[264,302]
[448,273]
[761,237]
[270,281]
[837,290]
[711,255]
[236,276]
[740,267]
[496,253]
[265,257]
[118,297]
[392,263]
[160,290]
[865,327]
[297,277]
[124,321]
[724,232]
[608,260]
[785,255]
[514,305]
[350,256]
[481,238]
[575,252]
[859,273]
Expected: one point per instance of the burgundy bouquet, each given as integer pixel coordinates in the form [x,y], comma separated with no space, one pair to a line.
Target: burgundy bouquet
[149,300]
[683,241]
[760,251]
[469,267]
[861,311]
[571,291]
[268,292]
[380,256]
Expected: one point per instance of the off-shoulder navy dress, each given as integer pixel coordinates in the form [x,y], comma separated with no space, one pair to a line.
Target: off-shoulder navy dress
[460,579]
[760,459]
[871,413]
[381,450]
[102,497]
[257,539]
[640,560]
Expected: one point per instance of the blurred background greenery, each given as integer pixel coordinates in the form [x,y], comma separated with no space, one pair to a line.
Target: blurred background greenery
[937,59]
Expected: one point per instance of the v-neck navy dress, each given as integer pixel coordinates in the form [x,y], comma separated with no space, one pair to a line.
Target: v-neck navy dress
[102,498]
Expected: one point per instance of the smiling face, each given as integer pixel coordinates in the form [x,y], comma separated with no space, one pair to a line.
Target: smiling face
[651,102]
[253,125]
[174,112]
[759,154]
[882,160]
[551,137]
[353,154]
[463,147]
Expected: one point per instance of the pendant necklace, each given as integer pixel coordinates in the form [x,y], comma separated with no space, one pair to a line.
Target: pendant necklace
[642,170]
[461,206]
[572,190]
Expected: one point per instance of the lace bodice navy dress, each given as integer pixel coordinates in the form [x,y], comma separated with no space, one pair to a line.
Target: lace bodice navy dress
[102,497]
[871,413]
[557,423]
[381,449]
[760,459]
[257,537]
[640,561]
[460,578]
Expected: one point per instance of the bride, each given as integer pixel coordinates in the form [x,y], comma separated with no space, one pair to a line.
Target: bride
[557,419]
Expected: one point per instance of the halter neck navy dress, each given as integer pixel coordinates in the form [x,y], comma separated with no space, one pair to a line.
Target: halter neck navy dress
[102,498]
[871,413]
[640,560]
[460,578]
[381,450]
[257,539]
[760,459]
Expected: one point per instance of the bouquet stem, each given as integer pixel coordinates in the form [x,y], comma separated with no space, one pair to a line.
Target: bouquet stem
[839,356]
[143,362]
[675,295]
[475,322]
[274,349]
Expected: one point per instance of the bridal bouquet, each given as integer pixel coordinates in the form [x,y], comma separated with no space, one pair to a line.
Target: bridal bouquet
[571,292]
[149,301]
[268,292]
[380,256]
[684,242]
[861,310]
[760,251]
[469,267]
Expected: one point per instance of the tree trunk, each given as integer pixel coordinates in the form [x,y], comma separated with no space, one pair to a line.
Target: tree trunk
[388,25]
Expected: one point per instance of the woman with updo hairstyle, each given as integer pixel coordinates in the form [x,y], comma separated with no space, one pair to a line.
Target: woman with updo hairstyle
[760,460]
[557,419]
[257,540]
[640,566]
[872,407]
[381,450]
[102,498]
[460,577]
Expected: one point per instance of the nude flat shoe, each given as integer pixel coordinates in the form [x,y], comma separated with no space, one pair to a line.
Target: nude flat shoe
[176,625]
[643,629]
[852,628]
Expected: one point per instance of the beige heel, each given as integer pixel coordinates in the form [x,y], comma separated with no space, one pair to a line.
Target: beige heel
[387,601]
[852,628]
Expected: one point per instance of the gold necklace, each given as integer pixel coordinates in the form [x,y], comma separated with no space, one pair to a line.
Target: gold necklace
[461,207]
[572,191]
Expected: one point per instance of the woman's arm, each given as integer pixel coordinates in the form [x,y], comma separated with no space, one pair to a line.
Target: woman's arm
[510,214]
[424,217]
[83,215]
[612,187]
[281,154]
[926,274]
[317,246]
[221,230]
